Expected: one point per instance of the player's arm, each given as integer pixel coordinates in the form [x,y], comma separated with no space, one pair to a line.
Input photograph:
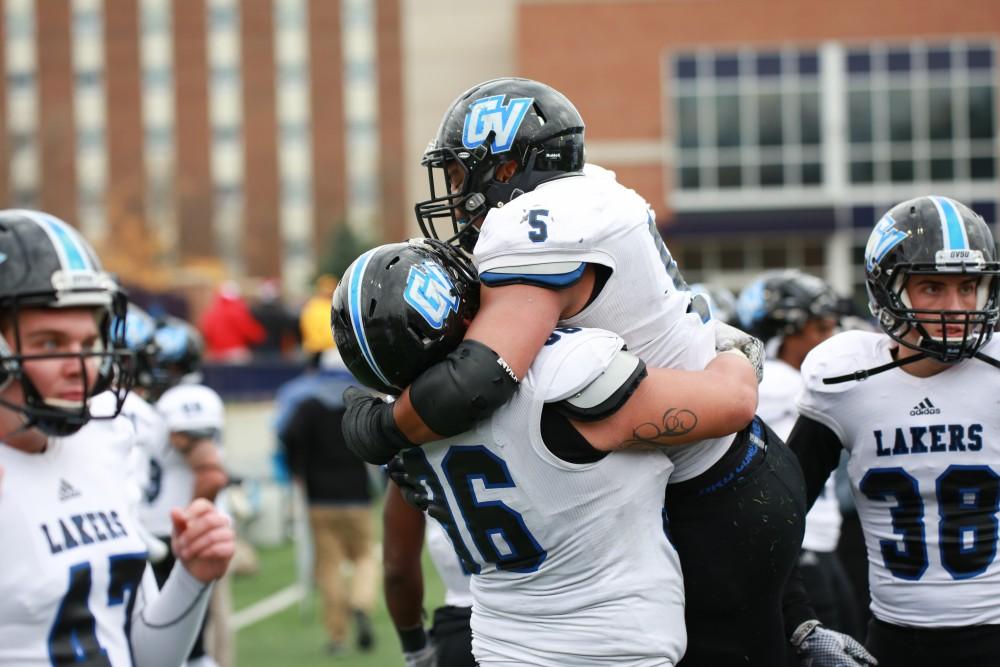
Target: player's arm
[676,407]
[203,457]
[818,450]
[403,579]
[513,323]
[165,623]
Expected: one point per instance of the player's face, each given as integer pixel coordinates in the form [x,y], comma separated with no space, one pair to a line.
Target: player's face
[818,330]
[942,292]
[61,380]
[456,176]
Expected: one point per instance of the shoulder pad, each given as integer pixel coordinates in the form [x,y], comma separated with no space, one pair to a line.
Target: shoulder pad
[552,275]
[844,353]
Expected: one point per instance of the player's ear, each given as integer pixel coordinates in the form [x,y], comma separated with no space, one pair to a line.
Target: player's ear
[505,171]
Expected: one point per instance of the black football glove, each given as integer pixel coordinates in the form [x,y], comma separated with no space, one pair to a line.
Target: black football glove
[818,646]
[415,493]
[370,431]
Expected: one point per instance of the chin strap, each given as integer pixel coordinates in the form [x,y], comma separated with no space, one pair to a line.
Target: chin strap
[988,359]
[858,376]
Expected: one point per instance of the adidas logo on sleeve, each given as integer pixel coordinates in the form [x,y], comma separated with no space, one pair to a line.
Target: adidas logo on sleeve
[925,407]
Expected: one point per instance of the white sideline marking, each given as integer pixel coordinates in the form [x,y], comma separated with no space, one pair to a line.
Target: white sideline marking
[269,606]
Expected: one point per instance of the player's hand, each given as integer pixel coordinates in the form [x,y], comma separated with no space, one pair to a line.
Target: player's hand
[425,657]
[369,428]
[202,540]
[414,493]
[818,646]
[729,338]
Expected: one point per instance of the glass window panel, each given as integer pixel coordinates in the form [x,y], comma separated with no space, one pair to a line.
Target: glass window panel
[687,121]
[939,113]
[731,256]
[812,173]
[691,258]
[809,118]
[727,66]
[860,113]
[899,61]
[981,112]
[862,171]
[980,58]
[901,171]
[687,67]
[774,256]
[813,254]
[938,59]
[982,168]
[987,209]
[808,63]
[859,62]
[942,169]
[772,175]
[769,126]
[900,115]
[690,178]
[727,120]
[768,64]
[729,176]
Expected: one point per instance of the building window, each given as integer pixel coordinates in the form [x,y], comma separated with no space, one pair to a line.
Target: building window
[748,119]
[921,112]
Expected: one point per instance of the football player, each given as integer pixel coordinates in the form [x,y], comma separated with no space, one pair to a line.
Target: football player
[75,587]
[565,537]
[915,408]
[189,465]
[793,312]
[556,242]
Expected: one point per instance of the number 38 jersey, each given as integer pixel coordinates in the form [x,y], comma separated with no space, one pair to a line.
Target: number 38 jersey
[925,473]
[71,560]
[547,237]
[571,564]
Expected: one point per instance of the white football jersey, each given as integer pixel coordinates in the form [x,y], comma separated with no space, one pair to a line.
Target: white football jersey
[171,481]
[778,395]
[925,472]
[571,564]
[449,568]
[550,233]
[71,559]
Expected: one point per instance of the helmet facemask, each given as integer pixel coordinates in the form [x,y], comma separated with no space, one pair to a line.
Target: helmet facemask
[898,318]
[114,371]
[456,211]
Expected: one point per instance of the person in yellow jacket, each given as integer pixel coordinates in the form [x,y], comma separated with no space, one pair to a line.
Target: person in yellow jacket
[314,320]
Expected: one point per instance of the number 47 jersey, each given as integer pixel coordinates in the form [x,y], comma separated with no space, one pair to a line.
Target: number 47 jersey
[571,563]
[925,473]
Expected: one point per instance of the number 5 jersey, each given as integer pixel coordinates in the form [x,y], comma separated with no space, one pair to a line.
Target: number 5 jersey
[925,472]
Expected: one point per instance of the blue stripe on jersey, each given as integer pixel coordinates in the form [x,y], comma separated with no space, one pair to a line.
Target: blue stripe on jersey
[495,279]
[955,237]
[72,250]
[354,305]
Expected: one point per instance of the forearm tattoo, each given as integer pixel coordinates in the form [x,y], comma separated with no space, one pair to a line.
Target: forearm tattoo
[676,422]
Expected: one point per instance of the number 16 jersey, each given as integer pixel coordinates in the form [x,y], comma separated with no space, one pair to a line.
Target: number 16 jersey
[925,472]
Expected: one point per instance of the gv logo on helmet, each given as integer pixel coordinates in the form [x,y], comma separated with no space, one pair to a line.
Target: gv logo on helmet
[430,292]
[884,238]
[490,114]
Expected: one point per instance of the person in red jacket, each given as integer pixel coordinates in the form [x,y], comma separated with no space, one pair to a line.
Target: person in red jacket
[228,327]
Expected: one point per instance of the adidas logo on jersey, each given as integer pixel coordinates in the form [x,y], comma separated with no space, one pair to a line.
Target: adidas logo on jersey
[924,407]
[67,490]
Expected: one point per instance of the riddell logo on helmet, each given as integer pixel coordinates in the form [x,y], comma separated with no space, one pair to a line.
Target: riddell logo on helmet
[490,114]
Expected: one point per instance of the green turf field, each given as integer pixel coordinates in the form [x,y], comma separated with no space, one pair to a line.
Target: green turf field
[295,636]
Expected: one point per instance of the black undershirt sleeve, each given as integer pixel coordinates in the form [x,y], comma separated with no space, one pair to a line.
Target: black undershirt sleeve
[818,450]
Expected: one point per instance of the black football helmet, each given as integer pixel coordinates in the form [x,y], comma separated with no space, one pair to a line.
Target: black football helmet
[490,124]
[178,350]
[45,263]
[779,303]
[721,302]
[140,338]
[400,308]
[932,235]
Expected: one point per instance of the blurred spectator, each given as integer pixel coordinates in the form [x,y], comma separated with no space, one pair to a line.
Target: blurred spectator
[280,324]
[337,491]
[314,320]
[228,327]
